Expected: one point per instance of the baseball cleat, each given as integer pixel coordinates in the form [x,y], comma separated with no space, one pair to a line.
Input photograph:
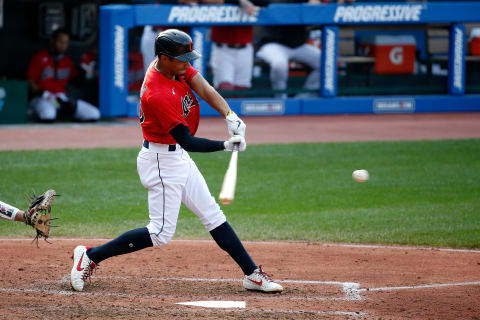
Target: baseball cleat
[260,281]
[82,267]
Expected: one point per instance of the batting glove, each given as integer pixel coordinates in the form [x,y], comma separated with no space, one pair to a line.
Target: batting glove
[230,143]
[235,125]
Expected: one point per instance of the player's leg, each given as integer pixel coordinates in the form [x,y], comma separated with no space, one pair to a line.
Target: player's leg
[45,109]
[86,111]
[197,197]
[309,55]
[276,55]
[243,62]
[223,67]
[164,176]
[147,46]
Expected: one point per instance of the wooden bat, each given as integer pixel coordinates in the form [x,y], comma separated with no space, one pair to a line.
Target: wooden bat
[230,180]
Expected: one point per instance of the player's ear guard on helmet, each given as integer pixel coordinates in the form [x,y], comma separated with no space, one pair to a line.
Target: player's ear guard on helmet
[175,44]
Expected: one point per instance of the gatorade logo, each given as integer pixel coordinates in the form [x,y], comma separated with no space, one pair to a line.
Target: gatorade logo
[379,13]
[204,14]
[396,55]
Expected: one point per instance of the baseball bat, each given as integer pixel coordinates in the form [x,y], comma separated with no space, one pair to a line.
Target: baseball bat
[227,193]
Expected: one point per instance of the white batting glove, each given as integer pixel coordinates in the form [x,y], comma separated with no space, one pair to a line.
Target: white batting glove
[235,125]
[229,144]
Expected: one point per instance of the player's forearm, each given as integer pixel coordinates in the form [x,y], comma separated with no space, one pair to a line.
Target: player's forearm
[182,135]
[209,94]
[8,212]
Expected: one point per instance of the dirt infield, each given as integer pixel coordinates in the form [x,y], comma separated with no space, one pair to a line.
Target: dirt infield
[322,281]
[288,129]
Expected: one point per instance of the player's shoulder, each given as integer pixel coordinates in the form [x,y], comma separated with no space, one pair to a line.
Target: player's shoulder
[41,55]
[154,89]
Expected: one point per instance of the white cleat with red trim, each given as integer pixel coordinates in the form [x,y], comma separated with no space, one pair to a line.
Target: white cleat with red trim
[260,281]
[82,267]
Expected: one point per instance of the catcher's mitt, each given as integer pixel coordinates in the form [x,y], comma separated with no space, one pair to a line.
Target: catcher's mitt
[38,214]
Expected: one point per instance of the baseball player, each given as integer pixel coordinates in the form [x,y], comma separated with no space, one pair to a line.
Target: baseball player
[169,116]
[283,43]
[48,74]
[232,50]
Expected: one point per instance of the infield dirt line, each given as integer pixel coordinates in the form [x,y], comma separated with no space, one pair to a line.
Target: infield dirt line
[346,245]
[425,286]
[350,289]
[127,295]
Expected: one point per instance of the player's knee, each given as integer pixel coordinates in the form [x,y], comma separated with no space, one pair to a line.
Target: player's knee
[47,114]
[159,233]
[86,111]
[159,239]
[279,66]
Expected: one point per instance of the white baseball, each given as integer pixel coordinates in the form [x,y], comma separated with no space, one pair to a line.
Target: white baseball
[360,175]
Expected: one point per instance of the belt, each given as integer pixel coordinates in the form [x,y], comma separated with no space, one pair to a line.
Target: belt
[158,146]
[233,46]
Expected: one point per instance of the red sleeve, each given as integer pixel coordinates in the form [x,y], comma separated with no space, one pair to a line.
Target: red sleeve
[167,112]
[191,72]
[34,67]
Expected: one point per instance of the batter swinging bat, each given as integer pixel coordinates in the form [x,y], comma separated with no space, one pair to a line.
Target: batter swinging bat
[230,180]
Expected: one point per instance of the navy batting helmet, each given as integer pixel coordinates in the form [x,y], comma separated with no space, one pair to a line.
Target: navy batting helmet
[175,44]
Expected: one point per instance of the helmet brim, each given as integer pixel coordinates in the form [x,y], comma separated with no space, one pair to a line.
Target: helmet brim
[189,56]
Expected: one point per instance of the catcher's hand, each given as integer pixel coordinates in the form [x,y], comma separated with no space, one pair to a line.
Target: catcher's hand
[38,214]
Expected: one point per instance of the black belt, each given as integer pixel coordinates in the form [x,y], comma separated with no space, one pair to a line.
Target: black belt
[171,147]
[233,46]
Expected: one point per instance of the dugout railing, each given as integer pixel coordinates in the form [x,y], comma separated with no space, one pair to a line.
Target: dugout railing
[116,20]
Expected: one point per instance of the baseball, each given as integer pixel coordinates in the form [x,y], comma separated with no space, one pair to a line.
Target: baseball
[360,175]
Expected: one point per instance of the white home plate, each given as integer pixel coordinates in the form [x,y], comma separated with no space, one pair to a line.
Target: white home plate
[215,304]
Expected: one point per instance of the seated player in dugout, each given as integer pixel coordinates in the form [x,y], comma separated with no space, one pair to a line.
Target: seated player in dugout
[169,118]
[49,72]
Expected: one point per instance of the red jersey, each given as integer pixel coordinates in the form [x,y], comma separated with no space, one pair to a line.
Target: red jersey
[48,75]
[165,103]
[232,34]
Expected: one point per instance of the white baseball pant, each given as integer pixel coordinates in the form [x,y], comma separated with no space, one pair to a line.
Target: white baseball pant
[172,177]
[147,46]
[232,65]
[278,55]
[46,108]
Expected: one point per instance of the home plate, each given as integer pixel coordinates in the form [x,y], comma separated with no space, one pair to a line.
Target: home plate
[215,304]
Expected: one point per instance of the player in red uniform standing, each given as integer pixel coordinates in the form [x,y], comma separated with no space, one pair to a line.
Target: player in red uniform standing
[48,75]
[169,116]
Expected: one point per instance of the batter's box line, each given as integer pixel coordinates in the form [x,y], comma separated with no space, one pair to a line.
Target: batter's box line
[424,286]
[351,290]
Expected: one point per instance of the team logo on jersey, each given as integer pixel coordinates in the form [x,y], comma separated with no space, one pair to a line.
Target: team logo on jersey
[187,104]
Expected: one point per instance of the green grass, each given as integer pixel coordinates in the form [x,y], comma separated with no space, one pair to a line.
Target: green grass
[419,193]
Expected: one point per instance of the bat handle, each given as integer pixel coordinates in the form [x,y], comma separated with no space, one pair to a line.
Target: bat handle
[236,145]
